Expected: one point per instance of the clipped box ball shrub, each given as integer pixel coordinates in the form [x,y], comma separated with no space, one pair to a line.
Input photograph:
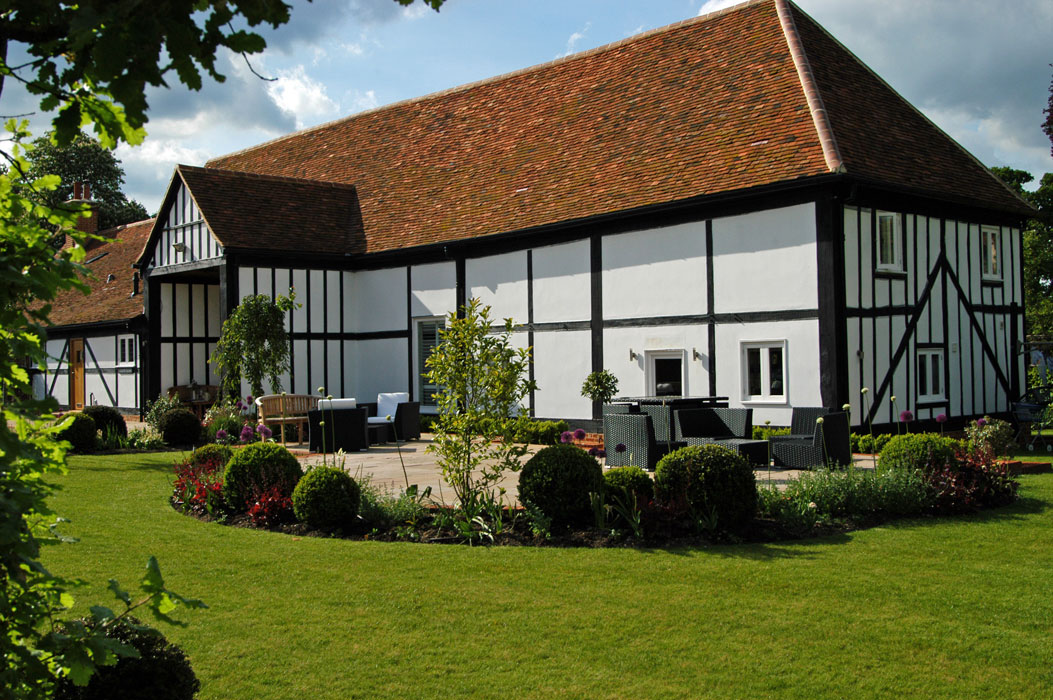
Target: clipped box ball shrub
[558,480]
[710,482]
[625,480]
[256,468]
[211,455]
[80,434]
[925,451]
[326,498]
[179,427]
[108,420]
[162,671]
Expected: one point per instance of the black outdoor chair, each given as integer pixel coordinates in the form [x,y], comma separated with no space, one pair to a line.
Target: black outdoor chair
[405,423]
[828,445]
[344,429]
[636,432]
[802,423]
[661,419]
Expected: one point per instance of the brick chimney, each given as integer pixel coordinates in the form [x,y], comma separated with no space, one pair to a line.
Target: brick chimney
[87,224]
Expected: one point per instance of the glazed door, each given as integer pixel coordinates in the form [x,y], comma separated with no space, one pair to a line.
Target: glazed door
[76,374]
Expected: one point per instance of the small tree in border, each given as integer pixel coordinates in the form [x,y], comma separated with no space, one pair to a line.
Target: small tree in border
[483,382]
[254,344]
[600,386]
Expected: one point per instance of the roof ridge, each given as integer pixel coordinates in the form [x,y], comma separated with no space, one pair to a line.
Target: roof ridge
[262,176]
[504,76]
[820,118]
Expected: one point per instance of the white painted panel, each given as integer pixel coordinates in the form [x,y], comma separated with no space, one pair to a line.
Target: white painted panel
[562,360]
[349,360]
[199,309]
[336,368]
[55,350]
[95,390]
[182,308]
[299,314]
[380,367]
[317,368]
[100,352]
[332,301]
[300,361]
[60,388]
[632,373]
[166,311]
[199,368]
[855,381]
[167,377]
[263,281]
[867,256]
[499,281]
[127,389]
[802,365]
[317,311]
[246,281]
[852,270]
[215,325]
[902,386]
[213,378]
[378,300]
[182,375]
[348,301]
[434,289]
[765,261]
[655,272]
[562,288]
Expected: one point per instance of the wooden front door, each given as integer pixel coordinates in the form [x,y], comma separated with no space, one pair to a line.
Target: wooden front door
[76,374]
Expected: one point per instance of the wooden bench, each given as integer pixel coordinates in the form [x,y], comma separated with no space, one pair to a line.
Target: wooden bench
[198,398]
[286,409]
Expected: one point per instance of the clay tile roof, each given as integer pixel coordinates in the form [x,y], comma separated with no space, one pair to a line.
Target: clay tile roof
[709,105]
[110,300]
[246,210]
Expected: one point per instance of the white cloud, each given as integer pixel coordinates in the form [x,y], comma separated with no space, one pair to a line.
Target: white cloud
[361,101]
[574,39]
[416,10]
[297,94]
[714,5]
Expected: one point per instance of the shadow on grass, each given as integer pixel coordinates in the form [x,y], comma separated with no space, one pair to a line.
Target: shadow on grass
[126,461]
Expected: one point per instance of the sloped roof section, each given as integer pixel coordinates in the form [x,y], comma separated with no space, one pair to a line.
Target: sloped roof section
[709,105]
[262,212]
[110,300]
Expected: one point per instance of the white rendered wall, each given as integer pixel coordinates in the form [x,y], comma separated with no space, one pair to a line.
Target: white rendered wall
[657,272]
[632,373]
[377,299]
[562,360]
[380,367]
[562,282]
[500,282]
[765,260]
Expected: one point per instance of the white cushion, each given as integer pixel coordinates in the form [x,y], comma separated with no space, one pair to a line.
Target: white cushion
[327,404]
[388,403]
[380,419]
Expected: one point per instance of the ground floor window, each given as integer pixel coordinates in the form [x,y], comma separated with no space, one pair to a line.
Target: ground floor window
[427,340]
[764,371]
[665,373]
[930,374]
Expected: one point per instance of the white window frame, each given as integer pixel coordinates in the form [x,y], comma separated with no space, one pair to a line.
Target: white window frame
[651,355]
[896,264]
[928,393]
[127,351]
[427,408]
[765,347]
[991,253]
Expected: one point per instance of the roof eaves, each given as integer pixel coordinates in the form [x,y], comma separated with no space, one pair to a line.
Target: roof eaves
[811,92]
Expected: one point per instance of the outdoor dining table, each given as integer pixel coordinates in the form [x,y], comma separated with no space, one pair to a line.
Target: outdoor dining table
[674,402]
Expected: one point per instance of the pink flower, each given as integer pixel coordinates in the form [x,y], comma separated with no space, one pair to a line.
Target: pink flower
[579,434]
[980,422]
[942,418]
[906,416]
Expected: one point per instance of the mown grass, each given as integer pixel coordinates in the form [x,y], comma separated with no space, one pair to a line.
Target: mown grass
[951,608]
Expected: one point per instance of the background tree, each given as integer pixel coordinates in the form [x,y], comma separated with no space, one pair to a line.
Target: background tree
[85,160]
[1047,126]
[1038,249]
[254,344]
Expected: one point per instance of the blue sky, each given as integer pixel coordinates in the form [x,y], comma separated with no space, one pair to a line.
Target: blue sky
[979,69]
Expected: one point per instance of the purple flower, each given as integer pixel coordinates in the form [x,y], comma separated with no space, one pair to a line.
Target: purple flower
[601,453]
[222,434]
[246,433]
[942,418]
[980,422]
[240,406]
[248,399]
[594,452]
[579,434]
[566,436]
[906,416]
[264,431]
[620,447]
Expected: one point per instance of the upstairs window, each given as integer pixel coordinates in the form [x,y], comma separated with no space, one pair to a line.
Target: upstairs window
[126,350]
[991,265]
[930,375]
[764,371]
[889,242]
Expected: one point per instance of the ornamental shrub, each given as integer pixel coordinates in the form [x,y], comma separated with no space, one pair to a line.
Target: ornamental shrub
[158,407]
[179,427]
[866,443]
[710,482]
[208,455]
[600,386]
[991,434]
[254,469]
[80,433]
[925,451]
[538,432]
[162,671]
[558,480]
[623,480]
[107,420]
[326,498]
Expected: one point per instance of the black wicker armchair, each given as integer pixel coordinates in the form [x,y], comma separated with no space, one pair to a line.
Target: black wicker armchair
[636,432]
[828,445]
[802,423]
[728,427]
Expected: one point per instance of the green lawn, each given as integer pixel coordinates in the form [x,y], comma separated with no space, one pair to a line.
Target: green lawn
[959,607]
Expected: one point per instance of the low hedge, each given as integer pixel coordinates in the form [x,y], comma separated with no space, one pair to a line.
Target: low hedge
[108,420]
[625,480]
[80,433]
[712,483]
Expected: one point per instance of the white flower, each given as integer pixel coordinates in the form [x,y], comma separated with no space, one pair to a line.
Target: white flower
[847,407]
[321,390]
[864,390]
[812,505]
[892,399]
[819,420]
